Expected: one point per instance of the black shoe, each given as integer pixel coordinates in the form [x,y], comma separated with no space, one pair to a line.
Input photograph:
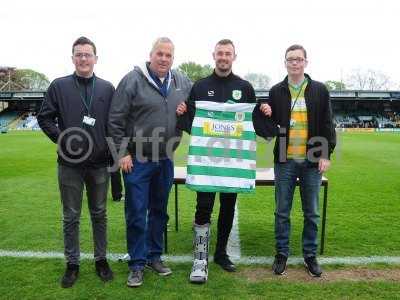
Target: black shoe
[119,198]
[312,266]
[70,275]
[279,266]
[103,270]
[225,263]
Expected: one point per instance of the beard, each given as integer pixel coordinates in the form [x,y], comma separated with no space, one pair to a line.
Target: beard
[223,67]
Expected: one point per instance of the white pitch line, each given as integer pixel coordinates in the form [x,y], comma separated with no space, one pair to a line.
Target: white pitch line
[233,247]
[246,260]
[347,260]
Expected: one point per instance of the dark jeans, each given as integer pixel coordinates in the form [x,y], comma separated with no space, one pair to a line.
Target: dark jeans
[285,183]
[204,208]
[116,185]
[71,182]
[147,189]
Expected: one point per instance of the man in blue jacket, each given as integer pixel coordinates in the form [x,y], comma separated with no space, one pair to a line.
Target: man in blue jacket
[74,115]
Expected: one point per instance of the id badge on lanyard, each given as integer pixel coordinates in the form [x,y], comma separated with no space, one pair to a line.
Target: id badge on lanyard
[88,120]
[292,121]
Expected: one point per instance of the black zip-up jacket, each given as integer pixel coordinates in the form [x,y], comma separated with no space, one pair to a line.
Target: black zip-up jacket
[222,89]
[319,116]
[63,108]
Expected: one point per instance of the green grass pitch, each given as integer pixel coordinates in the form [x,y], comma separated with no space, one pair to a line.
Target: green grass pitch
[363,220]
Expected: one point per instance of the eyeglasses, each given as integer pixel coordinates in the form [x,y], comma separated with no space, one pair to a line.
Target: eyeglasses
[83,55]
[292,60]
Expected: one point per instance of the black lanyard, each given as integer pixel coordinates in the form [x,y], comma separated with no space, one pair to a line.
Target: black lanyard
[298,94]
[87,105]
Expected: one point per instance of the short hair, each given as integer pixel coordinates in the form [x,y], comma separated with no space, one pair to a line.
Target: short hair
[162,40]
[226,42]
[84,41]
[296,47]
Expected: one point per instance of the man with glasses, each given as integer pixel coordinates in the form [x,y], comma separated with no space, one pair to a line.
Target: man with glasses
[143,111]
[74,115]
[302,110]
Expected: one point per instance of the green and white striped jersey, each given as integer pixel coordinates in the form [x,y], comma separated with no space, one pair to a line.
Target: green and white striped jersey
[222,151]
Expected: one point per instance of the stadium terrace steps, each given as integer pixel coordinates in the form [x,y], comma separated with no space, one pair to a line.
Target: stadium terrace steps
[7,117]
[14,124]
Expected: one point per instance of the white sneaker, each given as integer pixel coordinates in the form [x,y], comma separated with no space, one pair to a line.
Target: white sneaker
[199,272]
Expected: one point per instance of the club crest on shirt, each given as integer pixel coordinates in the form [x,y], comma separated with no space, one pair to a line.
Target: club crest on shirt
[210,93]
[239,116]
[237,94]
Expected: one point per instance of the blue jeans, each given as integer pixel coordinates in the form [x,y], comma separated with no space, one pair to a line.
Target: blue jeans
[285,183]
[147,189]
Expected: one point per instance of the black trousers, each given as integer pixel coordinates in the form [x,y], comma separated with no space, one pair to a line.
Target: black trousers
[72,182]
[204,208]
[116,185]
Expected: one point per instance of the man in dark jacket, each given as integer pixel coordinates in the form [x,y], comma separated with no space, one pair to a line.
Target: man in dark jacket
[301,108]
[221,86]
[74,115]
[143,110]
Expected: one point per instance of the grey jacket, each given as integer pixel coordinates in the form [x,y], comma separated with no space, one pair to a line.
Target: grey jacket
[139,111]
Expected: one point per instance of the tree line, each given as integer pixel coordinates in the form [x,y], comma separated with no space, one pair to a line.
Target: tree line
[22,79]
[357,79]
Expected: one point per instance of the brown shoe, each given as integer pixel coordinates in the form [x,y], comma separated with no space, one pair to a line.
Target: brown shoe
[159,267]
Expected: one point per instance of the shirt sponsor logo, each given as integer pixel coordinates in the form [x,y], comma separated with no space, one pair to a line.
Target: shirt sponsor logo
[221,128]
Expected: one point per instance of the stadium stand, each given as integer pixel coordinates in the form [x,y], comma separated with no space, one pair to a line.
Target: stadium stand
[28,122]
[6,118]
[361,113]
[351,109]
[362,109]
